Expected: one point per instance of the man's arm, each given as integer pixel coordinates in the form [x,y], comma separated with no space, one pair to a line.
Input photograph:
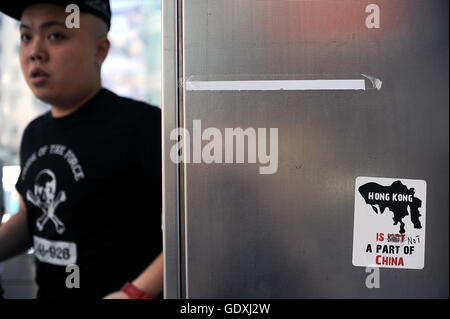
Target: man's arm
[150,281]
[14,235]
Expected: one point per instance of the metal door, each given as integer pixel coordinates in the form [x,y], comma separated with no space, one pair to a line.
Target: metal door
[231,232]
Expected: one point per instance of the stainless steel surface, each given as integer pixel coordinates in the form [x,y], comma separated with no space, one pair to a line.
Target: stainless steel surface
[289,235]
[171,226]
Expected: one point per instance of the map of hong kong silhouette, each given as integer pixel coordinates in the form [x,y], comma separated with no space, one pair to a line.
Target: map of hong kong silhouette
[397,198]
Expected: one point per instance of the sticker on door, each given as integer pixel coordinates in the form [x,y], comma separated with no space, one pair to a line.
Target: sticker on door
[389,223]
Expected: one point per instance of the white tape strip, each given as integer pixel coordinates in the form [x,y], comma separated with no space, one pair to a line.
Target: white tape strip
[276,85]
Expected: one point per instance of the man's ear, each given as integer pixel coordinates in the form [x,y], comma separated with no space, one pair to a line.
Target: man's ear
[102,48]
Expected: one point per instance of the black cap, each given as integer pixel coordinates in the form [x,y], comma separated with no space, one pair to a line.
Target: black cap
[99,8]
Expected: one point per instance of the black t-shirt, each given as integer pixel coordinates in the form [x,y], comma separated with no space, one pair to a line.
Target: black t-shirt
[91,182]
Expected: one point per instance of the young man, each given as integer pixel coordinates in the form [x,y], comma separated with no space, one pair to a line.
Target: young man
[90,180]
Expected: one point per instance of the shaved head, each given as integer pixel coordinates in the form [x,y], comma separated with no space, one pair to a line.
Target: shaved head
[98,27]
[98,31]
[68,59]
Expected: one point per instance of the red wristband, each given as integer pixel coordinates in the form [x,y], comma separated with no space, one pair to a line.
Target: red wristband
[135,293]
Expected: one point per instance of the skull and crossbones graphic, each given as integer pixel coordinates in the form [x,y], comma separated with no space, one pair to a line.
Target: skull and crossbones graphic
[44,197]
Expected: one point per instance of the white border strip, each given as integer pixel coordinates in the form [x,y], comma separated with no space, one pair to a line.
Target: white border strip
[292,85]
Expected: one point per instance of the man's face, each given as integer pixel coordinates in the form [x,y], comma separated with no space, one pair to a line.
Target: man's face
[59,64]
